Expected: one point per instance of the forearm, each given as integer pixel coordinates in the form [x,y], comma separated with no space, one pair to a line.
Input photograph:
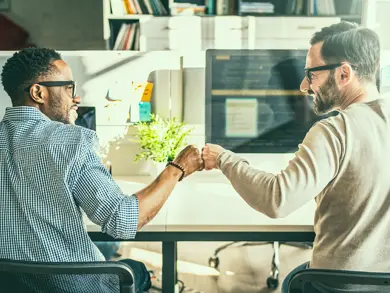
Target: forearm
[259,189]
[153,196]
[314,166]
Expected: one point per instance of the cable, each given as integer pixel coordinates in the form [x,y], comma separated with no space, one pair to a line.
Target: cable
[182,284]
[153,276]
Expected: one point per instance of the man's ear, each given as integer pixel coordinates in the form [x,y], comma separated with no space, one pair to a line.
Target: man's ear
[38,93]
[345,74]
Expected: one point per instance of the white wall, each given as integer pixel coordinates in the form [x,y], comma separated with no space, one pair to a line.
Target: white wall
[382,21]
[61,24]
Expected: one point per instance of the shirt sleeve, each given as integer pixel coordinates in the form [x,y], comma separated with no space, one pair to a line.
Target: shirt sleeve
[101,198]
[313,167]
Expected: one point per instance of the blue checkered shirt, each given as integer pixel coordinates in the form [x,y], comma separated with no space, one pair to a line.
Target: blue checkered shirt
[49,173]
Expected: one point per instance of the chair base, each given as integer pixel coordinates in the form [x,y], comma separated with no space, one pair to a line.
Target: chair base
[273,279]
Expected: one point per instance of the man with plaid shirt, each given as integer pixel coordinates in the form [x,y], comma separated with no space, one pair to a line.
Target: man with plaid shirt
[50,172]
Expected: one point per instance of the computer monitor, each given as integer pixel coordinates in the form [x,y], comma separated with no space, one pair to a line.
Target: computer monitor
[86,117]
[253,100]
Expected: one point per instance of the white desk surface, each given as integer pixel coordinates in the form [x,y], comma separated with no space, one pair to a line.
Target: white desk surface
[206,201]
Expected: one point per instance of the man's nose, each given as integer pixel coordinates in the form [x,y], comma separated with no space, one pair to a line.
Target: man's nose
[77,100]
[305,86]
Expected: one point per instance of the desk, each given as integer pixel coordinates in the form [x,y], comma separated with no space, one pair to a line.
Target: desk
[204,207]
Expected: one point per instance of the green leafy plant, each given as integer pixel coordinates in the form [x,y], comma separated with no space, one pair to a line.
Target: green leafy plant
[160,139]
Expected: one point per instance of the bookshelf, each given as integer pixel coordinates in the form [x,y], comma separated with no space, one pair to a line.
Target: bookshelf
[298,10]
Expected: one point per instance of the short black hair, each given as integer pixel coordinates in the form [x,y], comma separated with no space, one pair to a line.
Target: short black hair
[26,67]
[349,42]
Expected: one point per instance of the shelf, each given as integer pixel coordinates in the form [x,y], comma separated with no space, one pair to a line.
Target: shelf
[130,16]
[148,16]
[350,16]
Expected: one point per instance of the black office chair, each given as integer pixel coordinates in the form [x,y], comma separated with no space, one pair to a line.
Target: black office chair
[302,281]
[273,279]
[26,276]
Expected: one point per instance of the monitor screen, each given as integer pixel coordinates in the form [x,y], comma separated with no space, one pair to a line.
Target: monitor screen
[253,100]
[86,117]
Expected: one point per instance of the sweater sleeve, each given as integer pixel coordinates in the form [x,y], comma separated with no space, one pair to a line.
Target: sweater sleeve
[313,167]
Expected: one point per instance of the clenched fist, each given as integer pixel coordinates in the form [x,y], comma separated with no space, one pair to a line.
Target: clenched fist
[210,153]
[190,159]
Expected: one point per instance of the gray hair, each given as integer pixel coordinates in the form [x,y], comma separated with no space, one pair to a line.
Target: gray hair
[349,42]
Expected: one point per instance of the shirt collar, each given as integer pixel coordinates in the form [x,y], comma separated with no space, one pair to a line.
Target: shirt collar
[20,113]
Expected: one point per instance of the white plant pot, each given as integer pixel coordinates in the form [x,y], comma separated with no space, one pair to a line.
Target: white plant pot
[157,168]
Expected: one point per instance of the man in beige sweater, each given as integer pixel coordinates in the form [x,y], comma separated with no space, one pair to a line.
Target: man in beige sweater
[343,162]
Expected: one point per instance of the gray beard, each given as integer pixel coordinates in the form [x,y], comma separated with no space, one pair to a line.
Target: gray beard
[327,99]
[72,116]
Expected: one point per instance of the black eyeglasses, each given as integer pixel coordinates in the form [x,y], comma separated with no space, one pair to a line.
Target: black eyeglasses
[56,83]
[308,71]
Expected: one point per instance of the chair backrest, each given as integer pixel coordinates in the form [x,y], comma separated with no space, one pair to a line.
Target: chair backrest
[24,273]
[306,277]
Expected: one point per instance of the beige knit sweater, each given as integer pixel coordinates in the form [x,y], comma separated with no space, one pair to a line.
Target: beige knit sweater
[344,163]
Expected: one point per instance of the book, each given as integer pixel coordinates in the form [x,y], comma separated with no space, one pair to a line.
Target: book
[128,37]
